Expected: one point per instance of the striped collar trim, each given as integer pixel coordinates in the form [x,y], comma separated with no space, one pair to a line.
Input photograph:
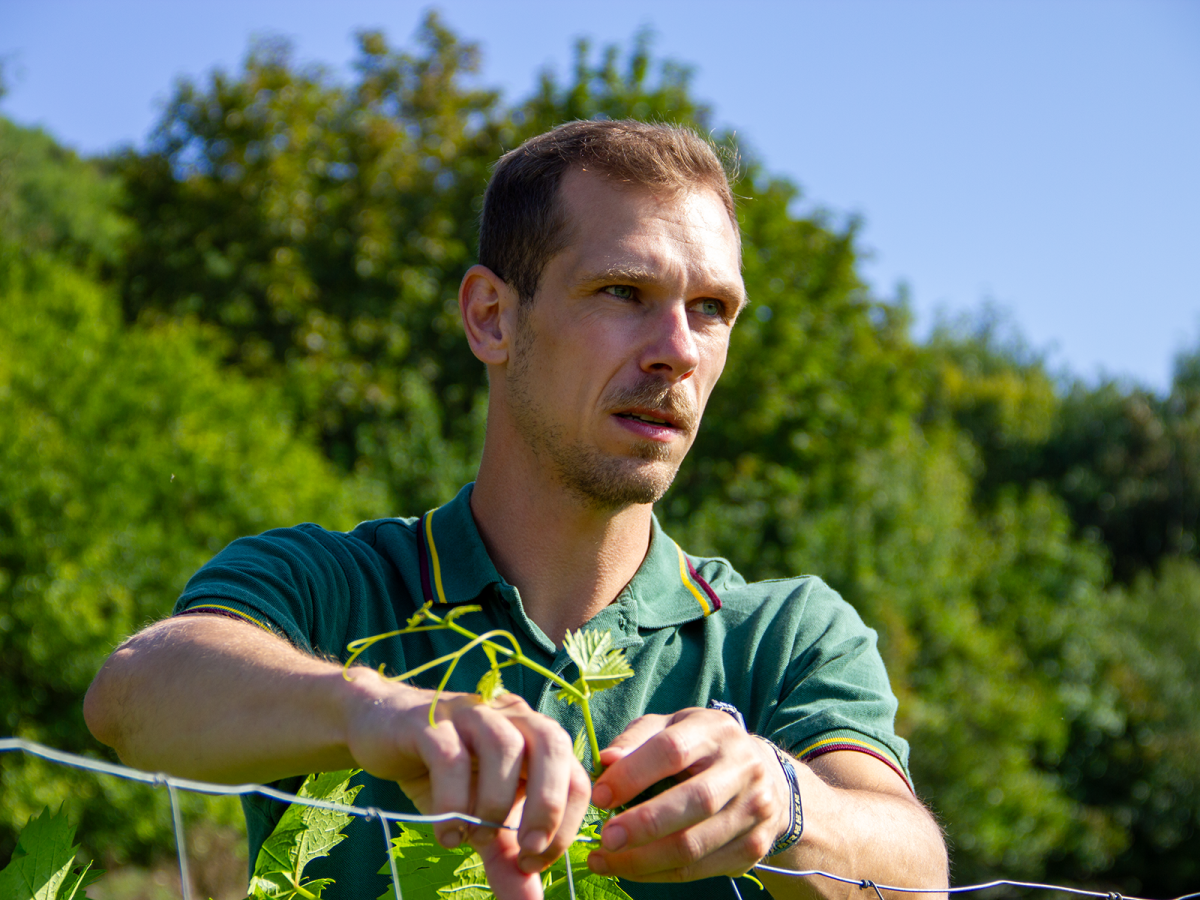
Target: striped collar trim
[432,588]
[455,568]
[697,586]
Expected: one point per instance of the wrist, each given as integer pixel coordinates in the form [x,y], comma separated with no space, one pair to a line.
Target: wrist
[793,813]
[792,818]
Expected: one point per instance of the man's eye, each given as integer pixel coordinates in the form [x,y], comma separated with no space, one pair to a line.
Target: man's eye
[620,291]
[712,307]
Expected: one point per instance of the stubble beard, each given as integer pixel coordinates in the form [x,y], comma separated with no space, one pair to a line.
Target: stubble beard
[603,481]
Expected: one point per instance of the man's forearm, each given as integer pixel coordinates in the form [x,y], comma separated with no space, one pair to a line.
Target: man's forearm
[216,699]
[858,832]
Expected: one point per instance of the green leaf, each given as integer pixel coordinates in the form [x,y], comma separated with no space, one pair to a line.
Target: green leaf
[587,883]
[601,666]
[41,863]
[74,886]
[303,834]
[429,871]
[589,887]
[490,686]
[581,745]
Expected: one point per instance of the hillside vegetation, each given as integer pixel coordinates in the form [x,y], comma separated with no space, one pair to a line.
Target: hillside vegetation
[251,322]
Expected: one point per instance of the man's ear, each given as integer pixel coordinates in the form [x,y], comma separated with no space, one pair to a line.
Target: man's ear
[489,308]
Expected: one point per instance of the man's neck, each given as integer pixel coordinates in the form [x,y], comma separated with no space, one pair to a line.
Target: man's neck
[567,559]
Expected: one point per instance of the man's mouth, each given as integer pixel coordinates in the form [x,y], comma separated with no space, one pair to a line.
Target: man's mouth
[657,406]
[642,417]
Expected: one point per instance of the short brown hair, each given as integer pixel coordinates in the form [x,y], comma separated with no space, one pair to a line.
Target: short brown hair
[523,224]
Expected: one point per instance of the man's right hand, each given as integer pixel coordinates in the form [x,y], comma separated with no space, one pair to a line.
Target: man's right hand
[218,699]
[501,762]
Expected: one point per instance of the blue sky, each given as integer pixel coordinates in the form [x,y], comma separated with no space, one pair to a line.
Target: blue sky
[1042,156]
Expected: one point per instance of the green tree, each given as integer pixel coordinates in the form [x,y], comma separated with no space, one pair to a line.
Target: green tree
[127,457]
[1148,770]
[51,200]
[323,229]
[310,236]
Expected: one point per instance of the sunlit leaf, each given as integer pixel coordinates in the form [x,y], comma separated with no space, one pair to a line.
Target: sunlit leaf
[429,871]
[41,864]
[600,665]
[490,686]
[304,833]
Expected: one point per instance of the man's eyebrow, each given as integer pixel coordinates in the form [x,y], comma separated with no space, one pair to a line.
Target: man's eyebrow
[619,274]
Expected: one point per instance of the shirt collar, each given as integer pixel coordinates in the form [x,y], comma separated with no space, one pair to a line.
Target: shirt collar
[665,591]
[455,566]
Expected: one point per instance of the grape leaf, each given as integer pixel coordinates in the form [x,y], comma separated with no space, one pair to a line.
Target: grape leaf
[490,686]
[303,834]
[601,666]
[588,885]
[429,871]
[74,886]
[40,868]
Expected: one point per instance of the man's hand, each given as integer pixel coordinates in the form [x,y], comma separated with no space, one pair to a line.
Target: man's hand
[500,762]
[215,699]
[731,801]
[723,815]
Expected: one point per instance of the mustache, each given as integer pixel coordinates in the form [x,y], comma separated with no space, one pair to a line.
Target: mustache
[656,395]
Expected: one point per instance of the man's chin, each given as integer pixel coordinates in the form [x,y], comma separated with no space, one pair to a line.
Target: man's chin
[615,483]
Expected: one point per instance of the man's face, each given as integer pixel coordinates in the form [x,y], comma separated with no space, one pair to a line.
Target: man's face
[615,358]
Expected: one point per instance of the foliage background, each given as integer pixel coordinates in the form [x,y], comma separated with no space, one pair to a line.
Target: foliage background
[252,323]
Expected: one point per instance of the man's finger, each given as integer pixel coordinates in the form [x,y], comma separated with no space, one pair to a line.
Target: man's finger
[557,791]
[712,847]
[448,764]
[657,747]
[680,807]
[498,747]
[505,878]
[635,734]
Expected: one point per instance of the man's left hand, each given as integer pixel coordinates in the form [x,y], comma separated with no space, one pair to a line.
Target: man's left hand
[723,815]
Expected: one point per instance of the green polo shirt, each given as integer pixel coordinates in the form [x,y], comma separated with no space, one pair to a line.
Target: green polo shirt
[793,656]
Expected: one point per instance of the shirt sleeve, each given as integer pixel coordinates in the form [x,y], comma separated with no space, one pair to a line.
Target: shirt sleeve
[288,581]
[835,693]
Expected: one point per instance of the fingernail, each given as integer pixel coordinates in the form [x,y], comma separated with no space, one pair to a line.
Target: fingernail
[597,864]
[602,796]
[613,837]
[452,839]
[535,842]
[530,864]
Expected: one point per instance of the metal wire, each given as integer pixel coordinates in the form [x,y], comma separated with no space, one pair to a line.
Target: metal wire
[570,874]
[185,878]
[203,787]
[967,888]
[387,848]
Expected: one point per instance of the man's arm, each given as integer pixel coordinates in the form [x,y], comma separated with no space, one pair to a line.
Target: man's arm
[860,819]
[208,697]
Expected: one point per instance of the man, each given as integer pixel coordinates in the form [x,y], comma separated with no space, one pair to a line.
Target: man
[608,285]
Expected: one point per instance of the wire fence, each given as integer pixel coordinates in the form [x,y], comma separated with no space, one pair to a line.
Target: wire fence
[173,784]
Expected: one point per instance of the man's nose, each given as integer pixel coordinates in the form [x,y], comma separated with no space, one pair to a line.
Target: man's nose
[671,351]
